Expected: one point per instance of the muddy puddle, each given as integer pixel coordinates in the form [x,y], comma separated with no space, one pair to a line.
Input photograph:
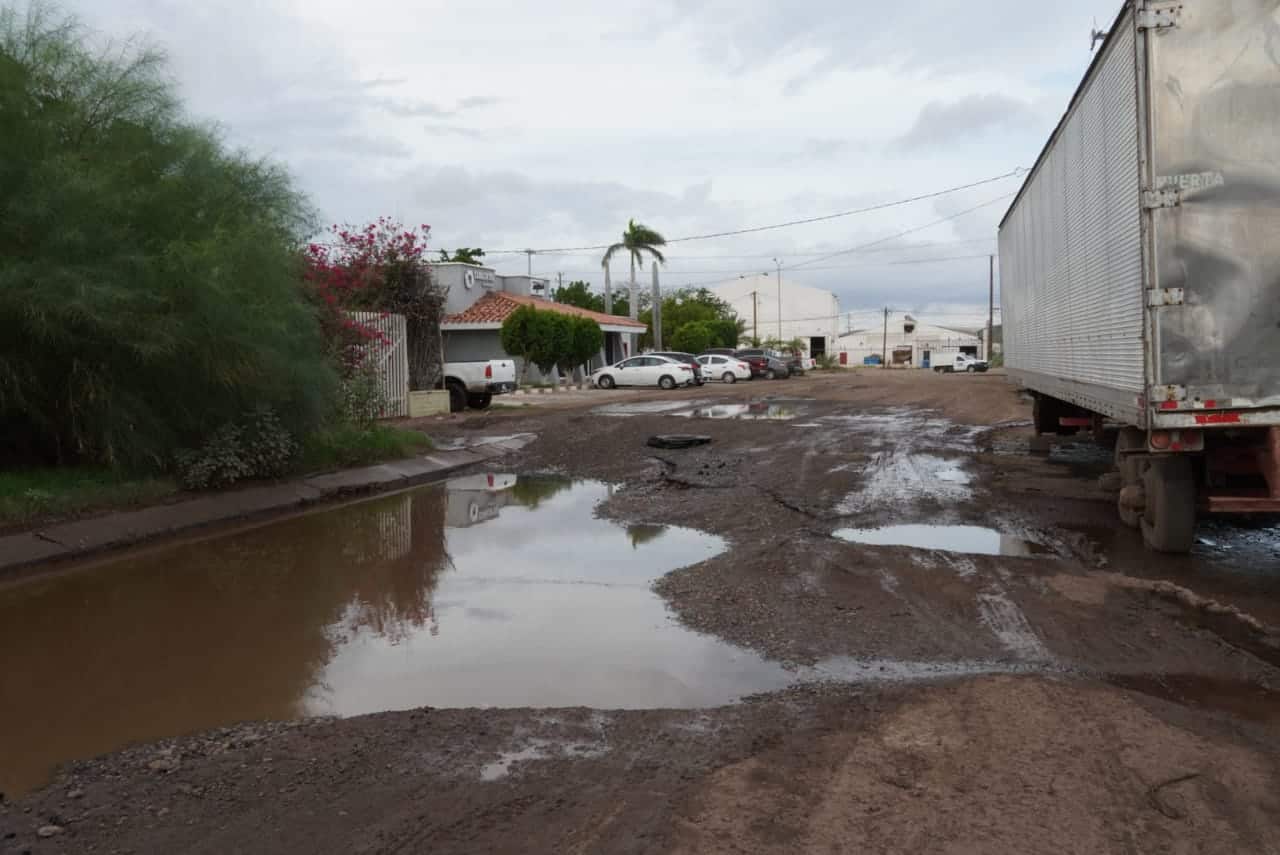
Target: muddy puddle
[966,539]
[753,411]
[496,590]
[646,408]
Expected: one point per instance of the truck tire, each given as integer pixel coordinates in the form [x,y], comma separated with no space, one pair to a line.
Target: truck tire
[770,374]
[1169,519]
[971,369]
[480,401]
[666,381]
[1130,467]
[605,382]
[457,397]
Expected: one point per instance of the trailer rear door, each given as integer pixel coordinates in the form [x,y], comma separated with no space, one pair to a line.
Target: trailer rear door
[1214,69]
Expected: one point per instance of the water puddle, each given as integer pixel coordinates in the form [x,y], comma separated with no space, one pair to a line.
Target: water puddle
[645,408]
[497,590]
[967,539]
[754,411]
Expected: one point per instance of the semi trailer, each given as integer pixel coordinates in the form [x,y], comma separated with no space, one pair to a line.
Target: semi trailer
[1140,263]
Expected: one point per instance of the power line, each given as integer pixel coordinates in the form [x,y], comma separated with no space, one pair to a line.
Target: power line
[671,272]
[863,247]
[755,229]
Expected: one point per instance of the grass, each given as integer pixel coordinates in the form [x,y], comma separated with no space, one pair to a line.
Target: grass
[356,446]
[30,494]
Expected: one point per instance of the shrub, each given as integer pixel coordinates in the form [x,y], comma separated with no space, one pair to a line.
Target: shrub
[828,362]
[258,447]
[585,341]
[363,398]
[149,277]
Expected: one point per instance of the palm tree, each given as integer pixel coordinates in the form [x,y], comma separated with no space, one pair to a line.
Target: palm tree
[636,240]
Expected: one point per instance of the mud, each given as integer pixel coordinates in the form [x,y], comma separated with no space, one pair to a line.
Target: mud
[1068,700]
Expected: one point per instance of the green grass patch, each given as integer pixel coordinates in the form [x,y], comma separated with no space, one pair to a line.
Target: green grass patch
[31,494]
[349,445]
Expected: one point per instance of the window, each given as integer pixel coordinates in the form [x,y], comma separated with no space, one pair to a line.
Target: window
[632,363]
[718,360]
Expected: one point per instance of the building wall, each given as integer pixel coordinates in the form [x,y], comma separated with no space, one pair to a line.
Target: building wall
[466,283]
[806,312]
[937,342]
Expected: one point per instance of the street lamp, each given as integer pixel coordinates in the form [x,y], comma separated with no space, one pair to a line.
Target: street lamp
[778,264]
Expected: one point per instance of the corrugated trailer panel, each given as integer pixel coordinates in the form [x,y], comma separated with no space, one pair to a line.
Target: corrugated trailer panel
[1215,103]
[1070,247]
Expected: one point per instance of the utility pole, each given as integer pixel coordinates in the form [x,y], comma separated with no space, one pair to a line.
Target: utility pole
[529,253]
[608,292]
[657,310]
[778,264]
[991,305]
[884,348]
[559,284]
[755,311]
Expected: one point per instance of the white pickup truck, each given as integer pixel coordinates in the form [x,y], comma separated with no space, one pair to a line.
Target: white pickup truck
[961,362]
[473,384]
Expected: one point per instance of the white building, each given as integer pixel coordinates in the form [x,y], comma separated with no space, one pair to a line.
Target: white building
[807,313]
[906,342]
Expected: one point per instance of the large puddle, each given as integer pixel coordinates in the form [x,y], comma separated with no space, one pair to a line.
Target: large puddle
[495,591]
[968,539]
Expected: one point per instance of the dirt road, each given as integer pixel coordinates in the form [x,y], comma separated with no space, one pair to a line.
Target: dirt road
[986,663]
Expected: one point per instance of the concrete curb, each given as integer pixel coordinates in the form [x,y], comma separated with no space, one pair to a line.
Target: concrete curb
[83,537]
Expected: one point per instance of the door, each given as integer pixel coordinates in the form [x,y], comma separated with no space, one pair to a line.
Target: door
[655,367]
[630,372]
[1215,107]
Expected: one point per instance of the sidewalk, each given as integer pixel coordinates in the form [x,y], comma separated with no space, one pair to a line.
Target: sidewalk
[81,537]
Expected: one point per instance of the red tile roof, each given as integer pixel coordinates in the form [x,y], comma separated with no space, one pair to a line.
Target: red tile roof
[494,307]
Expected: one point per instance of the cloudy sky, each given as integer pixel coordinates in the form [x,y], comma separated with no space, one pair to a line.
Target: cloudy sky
[508,125]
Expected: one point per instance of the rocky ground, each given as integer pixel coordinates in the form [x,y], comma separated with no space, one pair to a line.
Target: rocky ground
[1084,696]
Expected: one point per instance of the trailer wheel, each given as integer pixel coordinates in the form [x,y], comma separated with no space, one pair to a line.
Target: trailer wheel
[1169,519]
[1130,465]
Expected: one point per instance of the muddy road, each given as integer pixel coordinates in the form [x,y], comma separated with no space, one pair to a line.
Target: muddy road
[863,618]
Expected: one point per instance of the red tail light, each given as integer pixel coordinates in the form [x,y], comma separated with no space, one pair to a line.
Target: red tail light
[488,372]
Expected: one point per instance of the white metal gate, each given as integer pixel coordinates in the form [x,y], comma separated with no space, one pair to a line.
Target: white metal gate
[390,354]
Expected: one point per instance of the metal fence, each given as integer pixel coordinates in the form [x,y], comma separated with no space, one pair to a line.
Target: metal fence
[390,354]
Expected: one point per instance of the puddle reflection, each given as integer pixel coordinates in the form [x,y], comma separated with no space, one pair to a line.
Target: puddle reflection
[496,590]
[968,539]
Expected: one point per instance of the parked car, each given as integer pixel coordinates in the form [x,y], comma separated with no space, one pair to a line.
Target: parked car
[645,370]
[764,363]
[796,361]
[473,384]
[961,362]
[729,369]
[688,359]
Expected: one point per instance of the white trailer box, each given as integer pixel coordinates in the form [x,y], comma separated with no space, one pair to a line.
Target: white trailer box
[1140,262]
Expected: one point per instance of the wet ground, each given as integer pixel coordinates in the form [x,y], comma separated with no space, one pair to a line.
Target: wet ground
[956,648]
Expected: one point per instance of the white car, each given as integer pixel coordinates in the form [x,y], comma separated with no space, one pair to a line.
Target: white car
[647,370]
[727,369]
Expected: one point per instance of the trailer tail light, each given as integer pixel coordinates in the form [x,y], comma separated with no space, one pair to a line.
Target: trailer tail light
[1177,440]
[488,371]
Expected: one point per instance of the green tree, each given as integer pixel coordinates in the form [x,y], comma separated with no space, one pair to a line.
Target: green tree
[463,255]
[637,241]
[585,341]
[518,335]
[694,337]
[578,293]
[552,336]
[697,305]
[149,277]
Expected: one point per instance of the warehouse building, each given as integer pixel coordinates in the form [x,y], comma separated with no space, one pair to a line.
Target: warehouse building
[905,342]
[810,314]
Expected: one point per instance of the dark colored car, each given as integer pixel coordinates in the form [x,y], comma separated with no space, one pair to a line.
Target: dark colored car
[764,363]
[688,359]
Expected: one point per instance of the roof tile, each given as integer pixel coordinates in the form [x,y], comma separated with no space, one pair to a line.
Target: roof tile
[494,307]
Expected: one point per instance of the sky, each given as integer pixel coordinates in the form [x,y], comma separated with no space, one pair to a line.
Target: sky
[513,125]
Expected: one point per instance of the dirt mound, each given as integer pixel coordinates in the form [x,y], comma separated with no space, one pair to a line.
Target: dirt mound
[991,766]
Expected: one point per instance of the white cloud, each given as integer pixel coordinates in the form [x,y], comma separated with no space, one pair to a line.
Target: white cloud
[509,125]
